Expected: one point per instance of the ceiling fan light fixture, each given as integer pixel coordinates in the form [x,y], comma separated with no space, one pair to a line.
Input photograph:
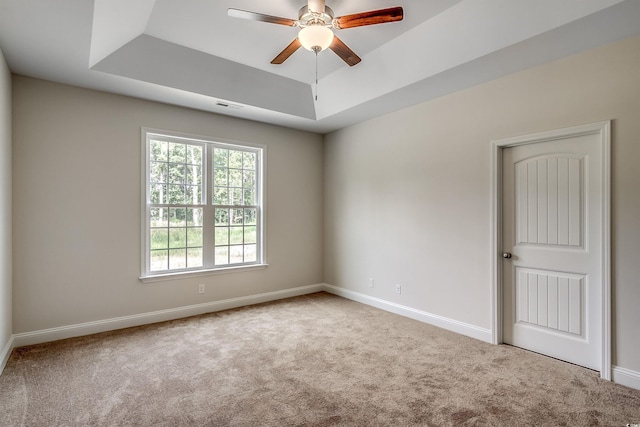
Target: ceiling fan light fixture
[315,37]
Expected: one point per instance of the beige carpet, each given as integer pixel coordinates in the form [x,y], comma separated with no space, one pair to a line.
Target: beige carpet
[316,360]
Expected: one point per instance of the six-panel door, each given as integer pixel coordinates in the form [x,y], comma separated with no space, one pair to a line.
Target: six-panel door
[552,207]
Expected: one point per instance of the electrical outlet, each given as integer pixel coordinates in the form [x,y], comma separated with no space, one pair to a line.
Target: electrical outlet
[201,288]
[370,283]
[398,289]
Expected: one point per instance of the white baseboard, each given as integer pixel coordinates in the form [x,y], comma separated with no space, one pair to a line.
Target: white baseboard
[626,377]
[456,326]
[77,330]
[6,353]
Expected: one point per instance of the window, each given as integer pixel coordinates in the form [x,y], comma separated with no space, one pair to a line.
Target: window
[202,205]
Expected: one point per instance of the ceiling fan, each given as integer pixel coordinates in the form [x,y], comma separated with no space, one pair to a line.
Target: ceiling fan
[316,21]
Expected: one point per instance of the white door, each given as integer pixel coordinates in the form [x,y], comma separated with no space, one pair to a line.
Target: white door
[553,230]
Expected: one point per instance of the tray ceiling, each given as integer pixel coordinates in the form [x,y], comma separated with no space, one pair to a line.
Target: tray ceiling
[190,53]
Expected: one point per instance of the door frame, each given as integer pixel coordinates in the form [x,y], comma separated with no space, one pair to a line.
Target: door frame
[603,130]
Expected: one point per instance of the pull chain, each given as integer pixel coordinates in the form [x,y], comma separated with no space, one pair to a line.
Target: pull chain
[316,74]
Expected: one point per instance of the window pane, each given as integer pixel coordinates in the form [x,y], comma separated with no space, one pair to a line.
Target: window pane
[236,216]
[194,237]
[158,217]
[249,197]
[221,236]
[194,258]
[220,196]
[176,173]
[235,178]
[194,217]
[158,194]
[177,237]
[159,260]
[177,152]
[235,159]
[177,217]
[193,175]
[235,254]
[158,151]
[159,238]
[158,172]
[236,196]
[250,234]
[250,216]
[220,157]
[176,194]
[222,255]
[222,216]
[193,195]
[249,160]
[235,235]
[220,177]
[177,258]
[194,154]
[249,179]
[250,253]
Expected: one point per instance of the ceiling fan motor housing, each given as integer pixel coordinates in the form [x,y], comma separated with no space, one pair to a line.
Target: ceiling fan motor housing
[307,18]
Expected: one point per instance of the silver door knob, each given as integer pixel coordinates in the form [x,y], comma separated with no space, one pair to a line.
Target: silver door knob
[506,255]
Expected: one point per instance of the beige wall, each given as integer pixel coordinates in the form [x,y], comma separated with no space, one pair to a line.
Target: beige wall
[407,195]
[76,176]
[5,206]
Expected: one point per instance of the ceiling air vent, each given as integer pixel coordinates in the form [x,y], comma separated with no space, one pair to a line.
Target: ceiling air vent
[228,105]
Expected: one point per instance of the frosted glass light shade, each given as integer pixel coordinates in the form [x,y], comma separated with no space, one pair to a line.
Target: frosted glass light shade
[315,36]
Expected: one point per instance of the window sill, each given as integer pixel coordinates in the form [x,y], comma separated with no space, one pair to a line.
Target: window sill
[198,273]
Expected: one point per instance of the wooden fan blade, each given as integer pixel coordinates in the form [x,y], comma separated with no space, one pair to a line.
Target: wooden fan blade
[343,51]
[253,16]
[369,18]
[287,52]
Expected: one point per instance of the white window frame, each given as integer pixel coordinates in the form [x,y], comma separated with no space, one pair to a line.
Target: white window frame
[208,267]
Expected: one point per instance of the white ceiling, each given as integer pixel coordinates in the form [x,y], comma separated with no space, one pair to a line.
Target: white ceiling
[190,53]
